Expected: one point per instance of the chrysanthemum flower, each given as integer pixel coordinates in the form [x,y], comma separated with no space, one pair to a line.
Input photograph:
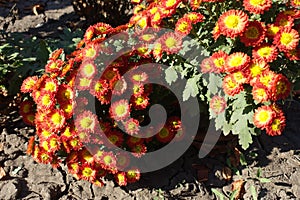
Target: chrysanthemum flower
[265,52]
[283,20]
[87,172]
[26,107]
[231,87]
[115,137]
[89,34]
[286,39]
[261,94]
[99,87]
[183,26]
[123,160]
[236,61]
[111,74]
[138,76]
[86,156]
[295,3]
[46,101]
[53,143]
[170,4]
[157,50]
[53,66]
[49,85]
[119,110]
[121,179]
[56,119]
[207,65]
[256,68]
[174,123]
[90,52]
[133,175]
[217,104]
[87,70]
[156,17]
[83,83]
[241,77]
[75,143]
[194,17]
[266,79]
[139,150]
[164,135]
[140,102]
[263,116]
[73,167]
[29,119]
[131,126]
[195,4]
[67,108]
[257,6]
[233,23]
[132,141]
[101,28]
[119,87]
[277,126]
[28,84]
[56,54]
[108,161]
[64,94]
[142,24]
[86,121]
[254,34]
[272,30]
[171,42]
[219,59]
[281,88]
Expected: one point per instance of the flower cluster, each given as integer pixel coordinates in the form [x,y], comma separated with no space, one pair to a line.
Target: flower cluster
[251,50]
[251,46]
[69,132]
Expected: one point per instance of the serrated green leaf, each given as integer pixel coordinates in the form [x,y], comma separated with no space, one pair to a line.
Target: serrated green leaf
[171,75]
[245,138]
[253,192]
[227,128]
[218,194]
[236,115]
[214,83]
[191,88]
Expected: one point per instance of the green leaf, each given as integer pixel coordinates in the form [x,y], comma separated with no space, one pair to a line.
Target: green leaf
[233,195]
[264,180]
[191,88]
[218,194]
[245,138]
[253,192]
[227,128]
[258,173]
[171,75]
[243,160]
[214,83]
[220,120]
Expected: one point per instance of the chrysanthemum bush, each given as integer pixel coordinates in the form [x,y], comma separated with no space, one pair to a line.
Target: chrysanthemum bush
[247,67]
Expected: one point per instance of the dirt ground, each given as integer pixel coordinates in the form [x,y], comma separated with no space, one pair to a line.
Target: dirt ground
[187,178]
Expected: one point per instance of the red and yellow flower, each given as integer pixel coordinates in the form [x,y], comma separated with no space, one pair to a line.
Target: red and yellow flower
[265,52]
[286,39]
[254,34]
[237,61]
[263,116]
[257,6]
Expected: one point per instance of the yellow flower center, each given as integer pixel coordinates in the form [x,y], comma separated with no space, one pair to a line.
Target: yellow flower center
[171,42]
[236,61]
[232,21]
[255,70]
[46,100]
[87,172]
[264,51]
[264,116]
[170,3]
[257,2]
[183,26]
[286,38]
[57,118]
[50,86]
[261,92]
[120,109]
[276,125]
[86,122]
[107,160]
[84,82]
[89,69]
[91,52]
[219,62]
[53,143]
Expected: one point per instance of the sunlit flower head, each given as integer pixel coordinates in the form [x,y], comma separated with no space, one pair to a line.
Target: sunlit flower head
[237,61]
[277,126]
[195,4]
[133,175]
[170,4]
[64,94]
[99,87]
[281,88]
[46,101]
[171,42]
[257,6]
[272,30]
[194,17]
[286,39]
[53,66]
[132,126]
[207,65]
[87,69]
[263,116]
[256,68]
[230,86]
[86,121]
[87,172]
[217,104]
[232,23]
[140,102]
[56,119]
[119,110]
[261,94]
[183,26]
[219,59]
[265,52]
[28,84]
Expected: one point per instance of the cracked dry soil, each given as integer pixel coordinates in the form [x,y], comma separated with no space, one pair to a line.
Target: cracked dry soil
[278,157]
